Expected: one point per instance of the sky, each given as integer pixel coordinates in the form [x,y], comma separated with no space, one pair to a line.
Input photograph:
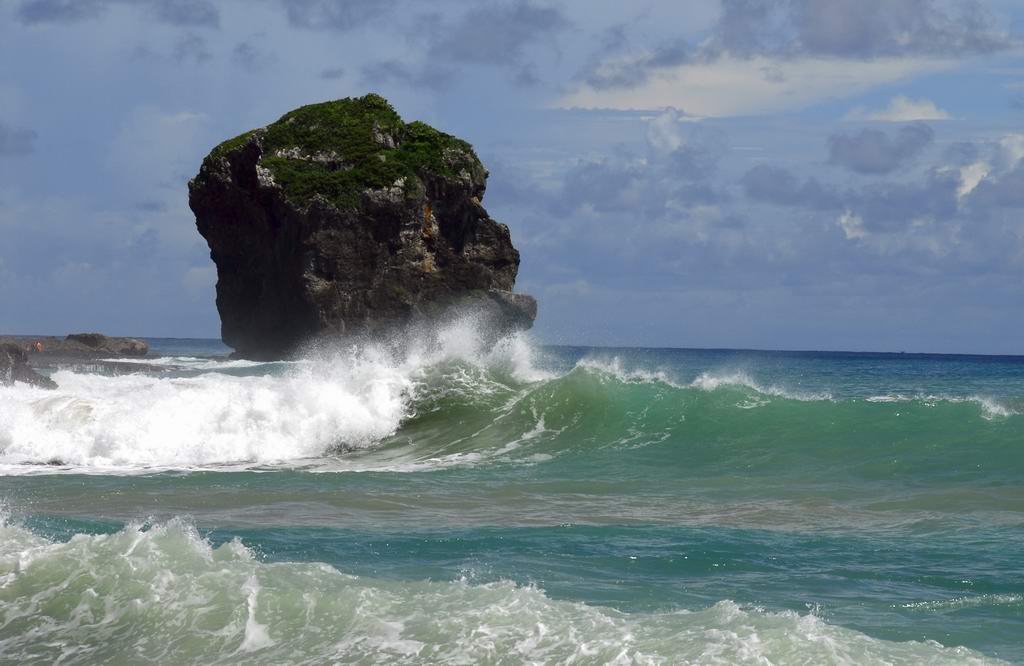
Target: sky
[772,174]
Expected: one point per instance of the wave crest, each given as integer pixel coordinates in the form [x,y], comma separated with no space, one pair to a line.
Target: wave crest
[163,594]
[347,398]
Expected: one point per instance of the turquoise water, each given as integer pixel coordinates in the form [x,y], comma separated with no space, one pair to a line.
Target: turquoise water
[452,504]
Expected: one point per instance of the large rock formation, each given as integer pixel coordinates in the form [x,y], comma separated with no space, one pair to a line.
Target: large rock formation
[341,219]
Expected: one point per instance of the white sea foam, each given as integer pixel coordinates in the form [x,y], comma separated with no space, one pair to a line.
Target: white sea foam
[616,369]
[991,408]
[197,363]
[967,602]
[137,420]
[713,381]
[705,381]
[349,399]
[164,595]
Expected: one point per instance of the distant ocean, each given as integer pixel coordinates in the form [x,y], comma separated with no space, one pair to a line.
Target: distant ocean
[524,504]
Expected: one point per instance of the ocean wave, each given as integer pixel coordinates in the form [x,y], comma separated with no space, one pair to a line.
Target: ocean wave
[197,362]
[163,594]
[960,603]
[135,420]
[616,370]
[991,408]
[341,400]
[713,381]
[453,401]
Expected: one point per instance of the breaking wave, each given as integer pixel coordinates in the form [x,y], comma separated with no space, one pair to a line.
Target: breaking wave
[163,594]
[456,401]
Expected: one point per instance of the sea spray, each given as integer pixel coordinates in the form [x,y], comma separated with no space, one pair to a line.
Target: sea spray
[454,400]
[163,594]
[446,499]
[239,412]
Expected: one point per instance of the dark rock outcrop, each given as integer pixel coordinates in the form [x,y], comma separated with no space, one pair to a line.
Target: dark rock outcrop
[14,367]
[80,345]
[341,219]
[101,345]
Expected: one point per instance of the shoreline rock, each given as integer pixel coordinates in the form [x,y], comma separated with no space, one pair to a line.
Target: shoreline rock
[14,367]
[79,345]
[21,356]
[340,219]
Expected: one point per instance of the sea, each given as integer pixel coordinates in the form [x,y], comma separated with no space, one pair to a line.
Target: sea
[450,501]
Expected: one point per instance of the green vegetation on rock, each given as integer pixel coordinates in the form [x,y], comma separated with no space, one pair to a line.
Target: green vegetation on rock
[341,148]
[230,145]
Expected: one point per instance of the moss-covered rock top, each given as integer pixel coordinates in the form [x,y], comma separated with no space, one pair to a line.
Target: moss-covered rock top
[341,148]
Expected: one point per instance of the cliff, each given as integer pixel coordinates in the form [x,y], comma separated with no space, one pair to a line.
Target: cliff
[341,219]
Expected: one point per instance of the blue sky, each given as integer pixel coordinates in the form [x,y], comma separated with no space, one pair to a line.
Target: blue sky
[798,174]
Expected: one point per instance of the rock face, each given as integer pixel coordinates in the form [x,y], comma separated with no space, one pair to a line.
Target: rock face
[341,219]
[14,368]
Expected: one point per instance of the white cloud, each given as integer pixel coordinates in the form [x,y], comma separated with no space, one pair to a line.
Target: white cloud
[900,110]
[663,133]
[970,177]
[1012,150]
[852,226]
[734,86]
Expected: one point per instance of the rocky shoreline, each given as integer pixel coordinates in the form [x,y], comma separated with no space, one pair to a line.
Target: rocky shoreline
[22,357]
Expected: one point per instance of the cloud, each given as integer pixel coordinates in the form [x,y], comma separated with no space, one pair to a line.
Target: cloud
[758,43]
[190,13]
[429,76]
[900,110]
[1004,192]
[771,184]
[492,34]
[852,226]
[332,73]
[250,57]
[872,151]
[971,176]
[335,15]
[963,204]
[109,271]
[186,13]
[191,47]
[15,142]
[32,12]
[889,206]
[734,86]
[496,33]
[860,29]
[879,206]
[673,174]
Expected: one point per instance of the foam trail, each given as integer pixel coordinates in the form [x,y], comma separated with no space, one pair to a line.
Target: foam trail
[991,408]
[616,369]
[164,595]
[709,381]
